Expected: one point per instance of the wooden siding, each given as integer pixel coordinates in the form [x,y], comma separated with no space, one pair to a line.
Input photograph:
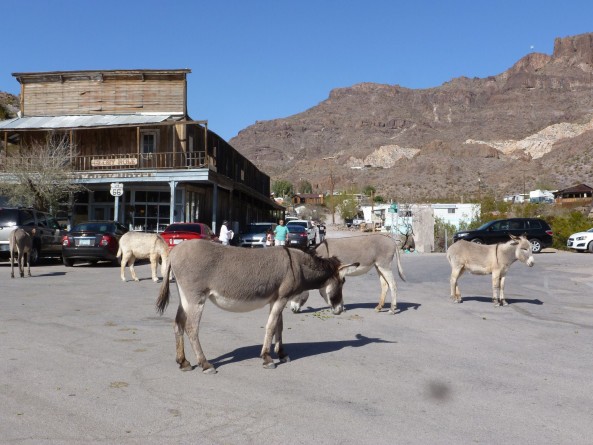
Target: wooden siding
[109,96]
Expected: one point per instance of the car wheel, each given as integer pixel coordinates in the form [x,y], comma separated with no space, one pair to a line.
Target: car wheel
[590,247]
[477,241]
[536,245]
[67,262]
[34,256]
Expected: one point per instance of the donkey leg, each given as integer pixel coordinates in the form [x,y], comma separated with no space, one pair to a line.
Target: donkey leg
[192,327]
[455,292]
[22,264]
[279,347]
[502,300]
[298,302]
[11,263]
[180,320]
[28,256]
[154,261]
[496,289]
[124,262]
[131,261]
[387,281]
[275,312]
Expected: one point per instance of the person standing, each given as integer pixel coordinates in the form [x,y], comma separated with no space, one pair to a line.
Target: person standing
[280,234]
[224,233]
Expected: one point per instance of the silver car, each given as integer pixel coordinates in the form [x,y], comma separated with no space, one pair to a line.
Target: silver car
[254,235]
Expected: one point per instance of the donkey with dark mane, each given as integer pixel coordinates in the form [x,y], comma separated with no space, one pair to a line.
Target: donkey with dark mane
[208,271]
[376,250]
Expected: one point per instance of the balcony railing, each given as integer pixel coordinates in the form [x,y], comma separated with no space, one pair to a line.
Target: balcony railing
[135,161]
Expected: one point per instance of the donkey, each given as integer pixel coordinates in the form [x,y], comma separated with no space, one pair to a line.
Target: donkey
[205,270]
[494,259]
[21,243]
[368,250]
[140,245]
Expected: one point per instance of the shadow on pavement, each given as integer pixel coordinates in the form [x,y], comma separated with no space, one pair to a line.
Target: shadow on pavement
[296,351]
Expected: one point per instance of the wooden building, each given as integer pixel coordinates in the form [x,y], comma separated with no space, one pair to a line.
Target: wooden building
[308,198]
[578,195]
[131,127]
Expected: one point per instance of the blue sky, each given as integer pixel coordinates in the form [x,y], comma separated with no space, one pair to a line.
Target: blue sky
[261,60]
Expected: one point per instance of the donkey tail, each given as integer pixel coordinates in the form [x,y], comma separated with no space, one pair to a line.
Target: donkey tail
[400,271]
[163,300]
[118,252]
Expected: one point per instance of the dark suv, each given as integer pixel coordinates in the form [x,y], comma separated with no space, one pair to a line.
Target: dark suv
[47,241]
[538,232]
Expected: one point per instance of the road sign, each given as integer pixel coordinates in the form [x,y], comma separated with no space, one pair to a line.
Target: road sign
[117,189]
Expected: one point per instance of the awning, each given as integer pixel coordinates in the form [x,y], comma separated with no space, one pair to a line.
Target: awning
[84,121]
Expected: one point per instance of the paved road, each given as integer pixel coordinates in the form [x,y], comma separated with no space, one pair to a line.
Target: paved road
[85,359]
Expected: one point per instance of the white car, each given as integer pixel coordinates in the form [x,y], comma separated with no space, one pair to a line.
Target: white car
[582,241]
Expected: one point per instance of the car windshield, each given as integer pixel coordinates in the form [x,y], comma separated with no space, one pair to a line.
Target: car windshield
[485,226]
[257,228]
[590,230]
[291,224]
[295,228]
[94,227]
[183,228]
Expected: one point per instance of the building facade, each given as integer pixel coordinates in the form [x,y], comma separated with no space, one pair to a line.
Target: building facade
[130,129]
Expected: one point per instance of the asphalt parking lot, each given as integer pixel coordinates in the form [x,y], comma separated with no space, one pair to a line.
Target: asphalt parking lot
[86,359]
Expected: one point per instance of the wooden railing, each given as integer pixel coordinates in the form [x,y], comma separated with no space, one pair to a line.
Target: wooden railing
[135,161]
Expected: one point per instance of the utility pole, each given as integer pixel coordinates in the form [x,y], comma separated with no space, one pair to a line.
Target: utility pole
[331,188]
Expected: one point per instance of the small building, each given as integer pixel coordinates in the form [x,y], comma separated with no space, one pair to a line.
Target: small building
[578,195]
[308,199]
[131,128]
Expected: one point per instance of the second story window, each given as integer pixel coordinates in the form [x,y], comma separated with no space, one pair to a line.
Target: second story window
[149,139]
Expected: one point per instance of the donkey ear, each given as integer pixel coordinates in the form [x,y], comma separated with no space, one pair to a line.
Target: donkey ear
[513,237]
[346,269]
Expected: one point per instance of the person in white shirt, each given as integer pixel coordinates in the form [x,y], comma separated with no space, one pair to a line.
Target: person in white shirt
[225,234]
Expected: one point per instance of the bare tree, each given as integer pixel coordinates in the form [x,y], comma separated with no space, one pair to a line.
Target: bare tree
[40,175]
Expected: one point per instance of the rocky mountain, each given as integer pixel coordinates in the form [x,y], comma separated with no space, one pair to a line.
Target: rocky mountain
[9,105]
[530,126]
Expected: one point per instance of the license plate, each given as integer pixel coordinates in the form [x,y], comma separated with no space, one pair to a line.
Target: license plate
[294,242]
[84,242]
[177,241]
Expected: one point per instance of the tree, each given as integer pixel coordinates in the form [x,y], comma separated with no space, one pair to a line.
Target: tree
[43,177]
[347,206]
[282,188]
[368,190]
[305,187]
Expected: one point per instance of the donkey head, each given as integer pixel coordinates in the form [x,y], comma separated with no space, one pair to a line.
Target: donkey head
[333,287]
[523,250]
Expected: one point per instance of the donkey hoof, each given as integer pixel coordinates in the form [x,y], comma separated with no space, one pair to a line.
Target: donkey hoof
[270,365]
[504,303]
[284,359]
[211,370]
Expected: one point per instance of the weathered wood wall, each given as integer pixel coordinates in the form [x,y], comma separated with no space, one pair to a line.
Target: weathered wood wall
[109,96]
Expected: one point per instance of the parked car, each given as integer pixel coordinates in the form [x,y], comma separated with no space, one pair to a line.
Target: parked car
[92,241]
[176,233]
[581,241]
[303,223]
[48,234]
[298,237]
[538,232]
[254,234]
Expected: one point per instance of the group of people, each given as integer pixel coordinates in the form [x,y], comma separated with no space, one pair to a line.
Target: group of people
[277,237]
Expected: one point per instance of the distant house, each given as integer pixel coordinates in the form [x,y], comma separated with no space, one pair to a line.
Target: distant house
[578,195]
[131,128]
[308,198]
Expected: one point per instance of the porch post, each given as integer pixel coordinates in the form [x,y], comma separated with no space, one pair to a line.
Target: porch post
[173,186]
[214,207]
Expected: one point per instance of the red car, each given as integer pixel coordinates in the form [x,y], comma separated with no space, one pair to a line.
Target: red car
[176,233]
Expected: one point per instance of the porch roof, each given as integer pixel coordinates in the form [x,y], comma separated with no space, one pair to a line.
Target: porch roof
[84,121]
